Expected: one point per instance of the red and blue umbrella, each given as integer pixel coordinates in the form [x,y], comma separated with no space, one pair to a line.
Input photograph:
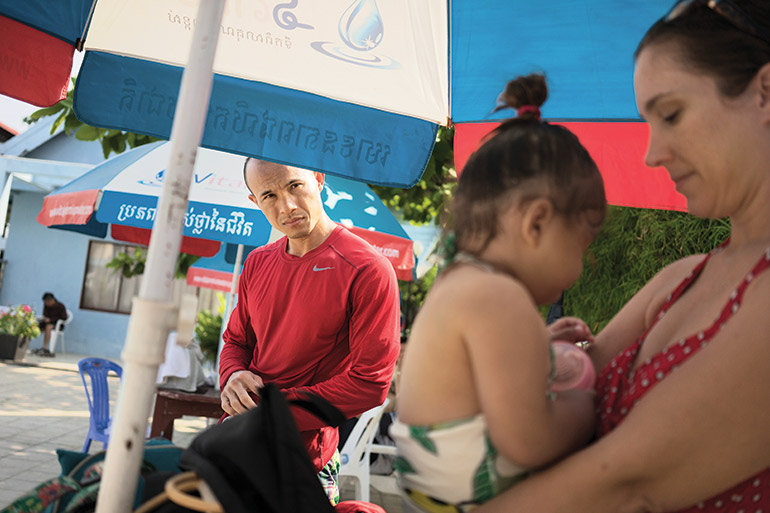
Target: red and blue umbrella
[357,88]
[37,43]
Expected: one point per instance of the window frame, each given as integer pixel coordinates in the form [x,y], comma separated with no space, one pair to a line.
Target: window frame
[81,306]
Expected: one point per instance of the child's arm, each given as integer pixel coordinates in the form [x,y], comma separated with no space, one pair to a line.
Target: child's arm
[508,346]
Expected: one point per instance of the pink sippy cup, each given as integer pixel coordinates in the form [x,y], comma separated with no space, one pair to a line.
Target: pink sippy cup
[574,368]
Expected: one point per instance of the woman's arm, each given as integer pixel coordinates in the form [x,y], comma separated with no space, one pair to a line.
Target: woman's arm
[699,431]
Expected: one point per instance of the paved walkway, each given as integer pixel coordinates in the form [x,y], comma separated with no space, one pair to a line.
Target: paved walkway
[43,408]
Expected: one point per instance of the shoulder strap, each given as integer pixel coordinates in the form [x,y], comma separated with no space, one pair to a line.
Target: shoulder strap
[321,408]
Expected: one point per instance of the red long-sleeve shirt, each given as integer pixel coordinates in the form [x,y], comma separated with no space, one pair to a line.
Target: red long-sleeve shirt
[326,323]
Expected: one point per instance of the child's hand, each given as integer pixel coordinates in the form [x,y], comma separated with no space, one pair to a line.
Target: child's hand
[570,329]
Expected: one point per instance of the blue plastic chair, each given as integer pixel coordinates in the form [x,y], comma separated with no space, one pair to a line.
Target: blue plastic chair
[98,397]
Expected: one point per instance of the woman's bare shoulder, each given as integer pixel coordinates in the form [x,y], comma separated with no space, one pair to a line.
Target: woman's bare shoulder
[667,279]
[678,270]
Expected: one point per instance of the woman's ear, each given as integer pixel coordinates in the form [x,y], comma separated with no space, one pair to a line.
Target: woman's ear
[536,217]
[763,84]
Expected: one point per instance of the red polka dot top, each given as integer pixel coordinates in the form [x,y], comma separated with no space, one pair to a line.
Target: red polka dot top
[619,388]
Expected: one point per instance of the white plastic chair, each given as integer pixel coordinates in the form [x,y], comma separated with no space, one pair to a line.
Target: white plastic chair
[354,455]
[58,332]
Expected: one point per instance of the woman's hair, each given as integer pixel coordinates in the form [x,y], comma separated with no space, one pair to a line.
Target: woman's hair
[533,158]
[708,42]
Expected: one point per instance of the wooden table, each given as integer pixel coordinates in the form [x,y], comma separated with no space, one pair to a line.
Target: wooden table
[172,404]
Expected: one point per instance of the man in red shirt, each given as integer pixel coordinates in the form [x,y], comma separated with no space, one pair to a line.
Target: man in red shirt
[318,311]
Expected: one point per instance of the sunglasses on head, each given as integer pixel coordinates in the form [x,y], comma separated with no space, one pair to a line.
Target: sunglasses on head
[725,8]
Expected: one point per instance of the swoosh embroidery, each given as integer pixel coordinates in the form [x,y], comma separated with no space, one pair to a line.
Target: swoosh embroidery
[316,268]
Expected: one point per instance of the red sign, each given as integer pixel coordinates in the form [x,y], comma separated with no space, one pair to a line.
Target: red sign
[68,208]
[399,251]
[209,279]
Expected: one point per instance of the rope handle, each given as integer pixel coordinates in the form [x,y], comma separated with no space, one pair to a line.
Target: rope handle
[176,491]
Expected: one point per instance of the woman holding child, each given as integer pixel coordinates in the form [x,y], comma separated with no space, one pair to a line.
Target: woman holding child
[683,393]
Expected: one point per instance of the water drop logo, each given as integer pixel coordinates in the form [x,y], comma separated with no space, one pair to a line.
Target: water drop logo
[361,25]
[157,181]
[361,29]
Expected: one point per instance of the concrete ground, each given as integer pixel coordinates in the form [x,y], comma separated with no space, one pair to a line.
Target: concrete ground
[43,408]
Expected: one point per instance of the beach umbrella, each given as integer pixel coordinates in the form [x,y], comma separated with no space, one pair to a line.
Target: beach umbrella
[355,88]
[353,205]
[37,44]
[123,192]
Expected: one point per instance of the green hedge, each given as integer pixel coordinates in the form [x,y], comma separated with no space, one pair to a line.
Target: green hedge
[633,245]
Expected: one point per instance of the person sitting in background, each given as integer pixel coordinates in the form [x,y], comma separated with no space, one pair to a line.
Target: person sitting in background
[53,311]
[476,410]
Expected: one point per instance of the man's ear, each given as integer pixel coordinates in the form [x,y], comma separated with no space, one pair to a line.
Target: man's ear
[537,214]
[320,178]
[253,199]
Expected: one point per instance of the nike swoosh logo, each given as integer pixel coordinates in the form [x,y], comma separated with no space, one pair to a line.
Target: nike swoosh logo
[316,268]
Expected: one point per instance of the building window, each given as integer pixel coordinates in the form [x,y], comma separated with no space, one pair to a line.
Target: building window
[106,290]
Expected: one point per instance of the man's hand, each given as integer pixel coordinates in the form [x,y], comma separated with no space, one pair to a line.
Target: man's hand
[570,329]
[235,396]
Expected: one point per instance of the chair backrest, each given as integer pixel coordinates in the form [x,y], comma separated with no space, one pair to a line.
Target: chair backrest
[362,436]
[99,395]
[62,322]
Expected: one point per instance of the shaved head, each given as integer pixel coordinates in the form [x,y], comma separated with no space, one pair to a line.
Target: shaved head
[253,164]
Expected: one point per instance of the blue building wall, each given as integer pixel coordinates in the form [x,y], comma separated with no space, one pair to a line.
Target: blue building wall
[41,259]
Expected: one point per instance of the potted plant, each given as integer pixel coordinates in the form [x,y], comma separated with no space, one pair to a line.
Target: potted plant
[17,326]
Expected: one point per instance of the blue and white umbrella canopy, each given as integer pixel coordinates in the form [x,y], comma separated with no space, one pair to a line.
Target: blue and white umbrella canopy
[123,192]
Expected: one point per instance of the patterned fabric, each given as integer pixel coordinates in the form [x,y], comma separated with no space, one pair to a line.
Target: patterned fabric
[619,387]
[42,495]
[450,467]
[329,477]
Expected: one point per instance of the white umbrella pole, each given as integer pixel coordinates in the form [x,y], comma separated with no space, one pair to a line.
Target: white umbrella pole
[230,304]
[153,314]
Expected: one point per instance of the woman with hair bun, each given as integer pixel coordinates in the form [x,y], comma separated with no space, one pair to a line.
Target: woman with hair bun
[683,400]
[477,410]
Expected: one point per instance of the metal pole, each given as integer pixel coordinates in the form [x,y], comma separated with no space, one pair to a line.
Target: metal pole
[230,304]
[153,314]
